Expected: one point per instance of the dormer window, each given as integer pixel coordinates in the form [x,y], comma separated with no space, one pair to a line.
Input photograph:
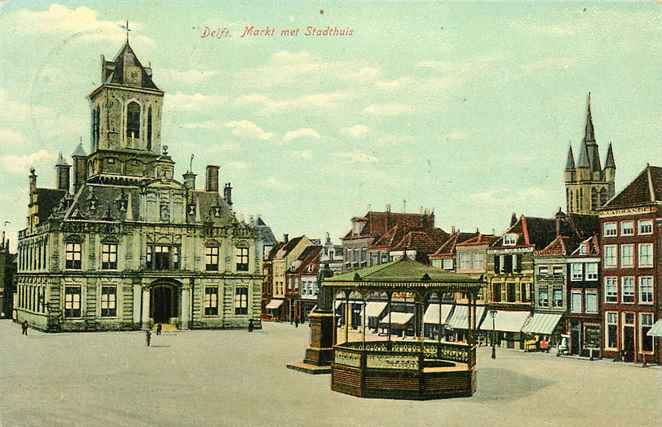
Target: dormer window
[510,239]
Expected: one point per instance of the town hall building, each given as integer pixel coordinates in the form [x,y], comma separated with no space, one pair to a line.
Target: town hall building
[121,243]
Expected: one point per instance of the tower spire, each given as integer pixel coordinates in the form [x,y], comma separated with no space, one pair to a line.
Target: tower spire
[127,29]
[589,131]
[609,163]
[570,162]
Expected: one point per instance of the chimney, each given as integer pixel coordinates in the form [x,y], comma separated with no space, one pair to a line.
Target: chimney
[227,193]
[80,166]
[513,219]
[388,207]
[33,181]
[211,181]
[558,218]
[189,180]
[63,175]
[286,238]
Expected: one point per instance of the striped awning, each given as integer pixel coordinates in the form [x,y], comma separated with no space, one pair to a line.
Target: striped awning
[274,304]
[506,321]
[397,318]
[432,313]
[656,330]
[541,323]
[460,317]
[374,308]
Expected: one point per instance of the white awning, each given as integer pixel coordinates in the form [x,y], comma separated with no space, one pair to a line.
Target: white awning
[274,304]
[541,323]
[506,321]
[460,317]
[432,313]
[398,318]
[374,308]
[656,330]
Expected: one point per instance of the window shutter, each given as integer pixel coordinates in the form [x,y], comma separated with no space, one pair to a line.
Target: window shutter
[497,263]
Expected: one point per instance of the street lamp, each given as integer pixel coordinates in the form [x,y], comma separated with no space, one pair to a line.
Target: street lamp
[493,313]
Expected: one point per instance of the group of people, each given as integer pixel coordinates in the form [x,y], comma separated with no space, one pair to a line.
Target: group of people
[148,333]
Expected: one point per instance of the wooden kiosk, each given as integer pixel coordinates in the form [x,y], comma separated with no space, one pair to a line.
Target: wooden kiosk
[416,369]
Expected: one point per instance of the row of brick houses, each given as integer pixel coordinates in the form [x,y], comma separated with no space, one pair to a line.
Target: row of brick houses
[586,279]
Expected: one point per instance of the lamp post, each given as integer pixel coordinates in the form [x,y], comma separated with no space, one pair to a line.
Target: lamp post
[493,313]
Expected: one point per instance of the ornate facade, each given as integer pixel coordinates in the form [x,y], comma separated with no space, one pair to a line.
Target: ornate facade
[588,185]
[128,245]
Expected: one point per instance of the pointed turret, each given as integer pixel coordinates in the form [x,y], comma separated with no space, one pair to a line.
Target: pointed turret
[570,161]
[610,170]
[63,174]
[609,163]
[570,171]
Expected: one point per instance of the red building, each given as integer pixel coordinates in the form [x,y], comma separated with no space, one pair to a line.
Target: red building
[631,239]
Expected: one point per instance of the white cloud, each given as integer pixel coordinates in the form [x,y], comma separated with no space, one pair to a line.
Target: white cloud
[357,156]
[302,154]
[20,164]
[187,77]
[356,131]
[286,68]
[208,125]
[180,101]
[456,135]
[302,133]
[388,109]
[507,200]
[81,21]
[550,63]
[394,140]
[313,101]
[247,129]
[274,183]
[11,137]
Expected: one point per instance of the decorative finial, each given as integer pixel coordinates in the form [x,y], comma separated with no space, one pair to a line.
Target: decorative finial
[190,167]
[164,150]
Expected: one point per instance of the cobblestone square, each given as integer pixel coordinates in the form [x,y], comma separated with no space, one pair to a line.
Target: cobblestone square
[235,378]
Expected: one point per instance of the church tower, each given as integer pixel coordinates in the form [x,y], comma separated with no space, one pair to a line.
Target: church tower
[125,130]
[588,184]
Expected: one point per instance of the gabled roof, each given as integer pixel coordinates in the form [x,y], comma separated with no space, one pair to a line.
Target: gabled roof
[309,256]
[288,247]
[558,247]
[588,247]
[645,189]
[480,239]
[377,224]
[419,241]
[448,247]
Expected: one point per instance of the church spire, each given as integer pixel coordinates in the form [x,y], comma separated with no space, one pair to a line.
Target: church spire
[583,156]
[589,131]
[570,162]
[609,163]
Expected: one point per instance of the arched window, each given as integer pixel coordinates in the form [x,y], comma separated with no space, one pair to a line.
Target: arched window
[603,197]
[595,201]
[149,129]
[577,205]
[133,120]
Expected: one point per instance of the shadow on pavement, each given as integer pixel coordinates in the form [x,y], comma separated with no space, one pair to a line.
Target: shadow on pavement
[504,384]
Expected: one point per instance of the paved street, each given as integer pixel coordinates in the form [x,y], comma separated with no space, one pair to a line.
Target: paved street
[236,378]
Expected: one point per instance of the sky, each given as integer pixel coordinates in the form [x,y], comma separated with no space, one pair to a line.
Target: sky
[464,108]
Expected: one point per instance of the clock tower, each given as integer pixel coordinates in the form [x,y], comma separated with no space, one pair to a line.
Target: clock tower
[125,130]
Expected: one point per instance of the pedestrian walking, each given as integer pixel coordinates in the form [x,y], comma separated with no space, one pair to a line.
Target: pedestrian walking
[296,322]
[158,329]
[148,336]
[250,325]
[24,327]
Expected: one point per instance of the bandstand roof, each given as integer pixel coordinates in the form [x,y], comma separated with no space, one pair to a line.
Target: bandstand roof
[404,273]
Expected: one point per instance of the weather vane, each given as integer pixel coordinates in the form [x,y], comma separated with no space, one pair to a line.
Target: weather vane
[127,29]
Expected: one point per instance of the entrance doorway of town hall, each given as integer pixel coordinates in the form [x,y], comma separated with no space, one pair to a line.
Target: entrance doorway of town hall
[164,300]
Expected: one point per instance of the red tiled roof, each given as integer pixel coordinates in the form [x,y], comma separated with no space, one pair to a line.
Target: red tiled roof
[480,239]
[645,189]
[448,247]
[378,223]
